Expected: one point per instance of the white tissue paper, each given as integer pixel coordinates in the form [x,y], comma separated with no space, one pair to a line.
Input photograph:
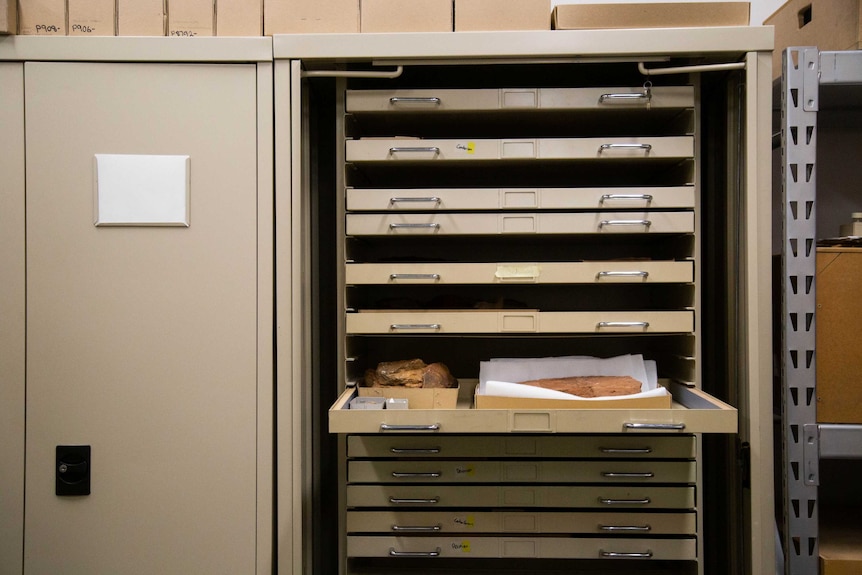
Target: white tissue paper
[499,376]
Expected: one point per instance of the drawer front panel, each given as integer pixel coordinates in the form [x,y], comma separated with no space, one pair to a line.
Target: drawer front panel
[467,496]
[521,547]
[445,100]
[472,150]
[406,224]
[521,272]
[466,199]
[610,524]
[634,472]
[519,446]
[520,322]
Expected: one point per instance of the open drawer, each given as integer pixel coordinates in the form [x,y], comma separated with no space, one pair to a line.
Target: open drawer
[693,411]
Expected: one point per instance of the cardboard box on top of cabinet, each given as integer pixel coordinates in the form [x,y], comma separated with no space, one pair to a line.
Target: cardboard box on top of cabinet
[650,15]
[190,18]
[42,17]
[239,17]
[826,24]
[140,18]
[838,337]
[8,17]
[92,17]
[310,16]
[481,15]
[406,16]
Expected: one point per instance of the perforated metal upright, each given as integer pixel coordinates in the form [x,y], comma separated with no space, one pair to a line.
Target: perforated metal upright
[799,105]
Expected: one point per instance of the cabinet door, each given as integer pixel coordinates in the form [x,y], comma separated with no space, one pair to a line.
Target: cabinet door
[142,341]
[12,315]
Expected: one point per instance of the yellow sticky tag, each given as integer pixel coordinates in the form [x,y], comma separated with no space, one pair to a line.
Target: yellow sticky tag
[471,147]
[465,546]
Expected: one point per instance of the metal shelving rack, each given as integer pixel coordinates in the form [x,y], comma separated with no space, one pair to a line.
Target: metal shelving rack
[805,442]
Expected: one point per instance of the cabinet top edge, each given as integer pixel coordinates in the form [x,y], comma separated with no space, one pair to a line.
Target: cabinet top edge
[135,49]
[526,44]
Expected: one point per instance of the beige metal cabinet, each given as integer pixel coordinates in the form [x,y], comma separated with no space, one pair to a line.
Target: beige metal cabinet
[417,170]
[146,340]
[12,317]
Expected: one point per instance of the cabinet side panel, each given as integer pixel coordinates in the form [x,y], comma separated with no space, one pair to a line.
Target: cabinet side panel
[12,317]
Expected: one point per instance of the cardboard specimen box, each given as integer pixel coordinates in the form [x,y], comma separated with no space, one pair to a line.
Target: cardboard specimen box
[651,15]
[42,17]
[189,18]
[482,15]
[92,17]
[239,17]
[406,16]
[140,18]
[826,24]
[417,397]
[8,17]
[310,16]
[838,337]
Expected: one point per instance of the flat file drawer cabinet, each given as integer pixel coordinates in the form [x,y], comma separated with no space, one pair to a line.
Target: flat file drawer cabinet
[478,206]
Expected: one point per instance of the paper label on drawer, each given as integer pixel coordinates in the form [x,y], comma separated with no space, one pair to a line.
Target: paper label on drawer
[510,271]
[464,470]
[464,521]
[468,147]
[462,546]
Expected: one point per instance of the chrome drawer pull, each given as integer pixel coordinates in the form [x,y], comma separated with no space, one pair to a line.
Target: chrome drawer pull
[406,475]
[644,96]
[625,527]
[414,276]
[608,197]
[394,553]
[418,450]
[616,555]
[660,426]
[643,324]
[415,528]
[409,501]
[645,147]
[409,100]
[631,274]
[644,223]
[644,501]
[645,475]
[432,199]
[628,450]
[395,226]
[389,427]
[399,149]
[414,326]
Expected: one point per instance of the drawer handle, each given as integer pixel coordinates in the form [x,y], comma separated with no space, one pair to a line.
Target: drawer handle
[409,100]
[622,274]
[602,324]
[415,528]
[402,149]
[414,276]
[605,147]
[395,226]
[411,501]
[644,223]
[435,326]
[418,450]
[609,197]
[628,450]
[627,528]
[645,97]
[432,199]
[394,553]
[619,555]
[659,426]
[614,474]
[644,501]
[408,475]
[390,427]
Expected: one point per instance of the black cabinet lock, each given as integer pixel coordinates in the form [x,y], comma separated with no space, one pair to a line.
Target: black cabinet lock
[72,470]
